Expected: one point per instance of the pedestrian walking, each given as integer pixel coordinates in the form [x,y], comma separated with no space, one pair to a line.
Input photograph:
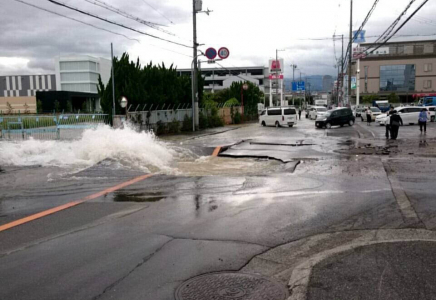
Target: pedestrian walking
[423,120]
[368,116]
[299,113]
[388,126]
[395,122]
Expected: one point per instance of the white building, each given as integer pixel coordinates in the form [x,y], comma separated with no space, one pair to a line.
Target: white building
[80,73]
[219,79]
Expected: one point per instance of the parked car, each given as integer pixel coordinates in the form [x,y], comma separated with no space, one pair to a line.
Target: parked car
[278,116]
[358,111]
[381,119]
[308,108]
[338,116]
[410,114]
[375,112]
[432,110]
[317,111]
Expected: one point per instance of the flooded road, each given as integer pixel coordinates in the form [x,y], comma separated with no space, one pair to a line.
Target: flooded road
[139,237]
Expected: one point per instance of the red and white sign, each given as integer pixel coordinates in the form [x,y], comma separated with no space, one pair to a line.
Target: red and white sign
[223,52]
[276,65]
[274,76]
[359,52]
[423,95]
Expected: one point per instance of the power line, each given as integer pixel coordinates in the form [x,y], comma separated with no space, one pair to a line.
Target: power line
[128,16]
[70,18]
[388,31]
[399,28]
[117,24]
[158,11]
[96,27]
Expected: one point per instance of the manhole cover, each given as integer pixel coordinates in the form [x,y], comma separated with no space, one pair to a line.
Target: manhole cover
[227,286]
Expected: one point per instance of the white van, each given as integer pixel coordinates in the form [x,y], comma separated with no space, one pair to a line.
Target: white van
[278,116]
[409,114]
[317,111]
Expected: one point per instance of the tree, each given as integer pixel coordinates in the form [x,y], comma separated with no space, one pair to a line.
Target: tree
[393,98]
[369,99]
[39,106]
[156,86]
[9,108]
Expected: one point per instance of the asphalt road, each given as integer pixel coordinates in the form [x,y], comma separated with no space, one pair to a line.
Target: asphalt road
[272,186]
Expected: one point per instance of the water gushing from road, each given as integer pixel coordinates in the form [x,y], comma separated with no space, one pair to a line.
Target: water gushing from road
[126,146]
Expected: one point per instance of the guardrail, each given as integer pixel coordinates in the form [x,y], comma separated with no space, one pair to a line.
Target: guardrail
[48,127]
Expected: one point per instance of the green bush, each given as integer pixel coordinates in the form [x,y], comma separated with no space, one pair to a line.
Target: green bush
[161,128]
[187,124]
[237,118]
[203,120]
[174,126]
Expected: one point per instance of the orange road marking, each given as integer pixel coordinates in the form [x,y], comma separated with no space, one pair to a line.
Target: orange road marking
[217,151]
[71,204]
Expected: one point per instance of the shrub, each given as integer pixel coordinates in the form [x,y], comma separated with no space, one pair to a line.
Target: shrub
[237,118]
[187,124]
[204,122]
[161,128]
[216,121]
[174,126]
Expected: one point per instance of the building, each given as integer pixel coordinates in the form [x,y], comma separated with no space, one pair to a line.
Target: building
[219,79]
[81,73]
[403,68]
[26,85]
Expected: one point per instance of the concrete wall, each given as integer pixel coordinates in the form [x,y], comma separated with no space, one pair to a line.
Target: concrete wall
[225,114]
[18,104]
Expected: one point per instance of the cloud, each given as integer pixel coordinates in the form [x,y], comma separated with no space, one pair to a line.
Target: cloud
[251,29]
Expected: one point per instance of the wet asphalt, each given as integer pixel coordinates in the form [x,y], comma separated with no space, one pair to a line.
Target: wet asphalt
[270,187]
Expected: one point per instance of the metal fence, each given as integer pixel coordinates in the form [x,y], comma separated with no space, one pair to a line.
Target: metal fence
[63,126]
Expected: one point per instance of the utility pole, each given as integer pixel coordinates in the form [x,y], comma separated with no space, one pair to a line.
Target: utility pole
[293,66]
[195,115]
[342,69]
[350,53]
[113,84]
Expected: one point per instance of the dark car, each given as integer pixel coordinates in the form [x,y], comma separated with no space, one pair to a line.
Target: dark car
[338,116]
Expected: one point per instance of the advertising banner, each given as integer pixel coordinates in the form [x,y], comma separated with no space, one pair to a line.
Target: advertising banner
[276,65]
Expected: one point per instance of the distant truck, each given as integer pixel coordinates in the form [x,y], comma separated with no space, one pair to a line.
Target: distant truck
[383,105]
[321,102]
[428,101]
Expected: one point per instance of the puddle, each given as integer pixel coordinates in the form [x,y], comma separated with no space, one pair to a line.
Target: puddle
[138,197]
[298,144]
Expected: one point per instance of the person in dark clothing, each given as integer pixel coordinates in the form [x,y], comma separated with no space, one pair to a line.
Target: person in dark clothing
[388,126]
[299,113]
[423,120]
[395,122]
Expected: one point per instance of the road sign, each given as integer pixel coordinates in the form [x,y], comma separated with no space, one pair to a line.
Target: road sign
[359,36]
[211,53]
[223,52]
[298,86]
[353,83]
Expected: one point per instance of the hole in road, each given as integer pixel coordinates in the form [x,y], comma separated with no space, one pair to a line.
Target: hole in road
[139,197]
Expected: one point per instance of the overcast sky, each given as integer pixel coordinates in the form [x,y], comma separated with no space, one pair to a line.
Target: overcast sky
[251,29]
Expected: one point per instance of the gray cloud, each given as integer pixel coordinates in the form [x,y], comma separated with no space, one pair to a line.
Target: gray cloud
[40,36]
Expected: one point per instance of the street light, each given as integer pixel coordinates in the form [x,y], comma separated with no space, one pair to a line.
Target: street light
[123,104]
[244,87]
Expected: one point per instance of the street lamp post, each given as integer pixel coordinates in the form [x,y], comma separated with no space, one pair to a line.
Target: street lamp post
[244,87]
[293,66]
[123,104]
